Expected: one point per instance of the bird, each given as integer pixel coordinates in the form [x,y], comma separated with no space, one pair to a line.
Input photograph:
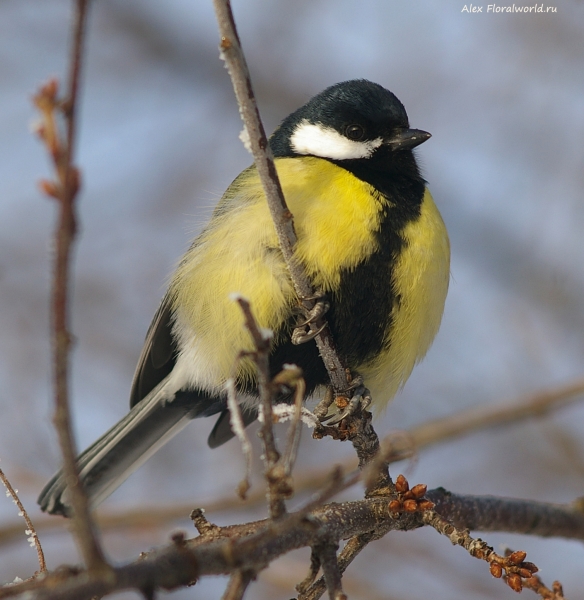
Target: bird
[371,241]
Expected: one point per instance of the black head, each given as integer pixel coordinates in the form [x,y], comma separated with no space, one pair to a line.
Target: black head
[352,120]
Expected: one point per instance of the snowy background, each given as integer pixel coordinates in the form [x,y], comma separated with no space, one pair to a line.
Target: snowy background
[502,95]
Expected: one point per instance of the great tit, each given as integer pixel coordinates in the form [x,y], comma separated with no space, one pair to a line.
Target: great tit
[371,241]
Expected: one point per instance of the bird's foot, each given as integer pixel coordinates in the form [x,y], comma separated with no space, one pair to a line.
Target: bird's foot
[308,326]
[347,405]
[360,400]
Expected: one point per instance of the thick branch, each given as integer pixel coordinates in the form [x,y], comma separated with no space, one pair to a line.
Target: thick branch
[488,513]
[252,546]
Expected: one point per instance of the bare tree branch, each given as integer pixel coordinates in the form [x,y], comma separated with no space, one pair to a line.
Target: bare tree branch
[512,568]
[327,553]
[536,584]
[232,53]
[490,513]
[351,550]
[238,427]
[65,190]
[238,583]
[403,444]
[30,531]
[537,404]
[252,546]
[261,342]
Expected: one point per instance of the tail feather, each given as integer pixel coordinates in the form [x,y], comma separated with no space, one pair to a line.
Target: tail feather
[120,451]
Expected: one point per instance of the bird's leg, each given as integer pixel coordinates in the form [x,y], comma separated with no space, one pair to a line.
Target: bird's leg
[307,327]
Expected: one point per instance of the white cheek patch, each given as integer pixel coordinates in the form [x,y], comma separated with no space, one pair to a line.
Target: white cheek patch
[329,143]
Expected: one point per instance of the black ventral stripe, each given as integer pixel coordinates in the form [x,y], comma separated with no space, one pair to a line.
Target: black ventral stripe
[366,297]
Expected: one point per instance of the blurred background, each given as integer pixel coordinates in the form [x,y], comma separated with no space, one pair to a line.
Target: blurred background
[502,95]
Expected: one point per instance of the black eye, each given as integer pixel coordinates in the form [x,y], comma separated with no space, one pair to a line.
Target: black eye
[355,132]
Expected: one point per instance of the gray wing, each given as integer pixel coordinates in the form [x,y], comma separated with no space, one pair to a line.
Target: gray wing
[158,355]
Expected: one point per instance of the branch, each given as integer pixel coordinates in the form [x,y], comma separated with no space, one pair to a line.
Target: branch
[30,531]
[237,585]
[65,190]
[512,567]
[238,428]
[403,444]
[488,513]
[537,404]
[327,555]
[247,547]
[250,547]
[261,341]
[351,550]
[278,469]
[232,53]
[535,584]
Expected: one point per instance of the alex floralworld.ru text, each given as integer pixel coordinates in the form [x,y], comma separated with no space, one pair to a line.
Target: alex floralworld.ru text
[495,8]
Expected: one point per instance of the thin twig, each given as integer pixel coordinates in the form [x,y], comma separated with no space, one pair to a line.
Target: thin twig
[30,531]
[202,524]
[366,444]
[271,455]
[537,404]
[238,427]
[261,340]
[76,61]
[237,585]
[346,556]
[536,585]
[289,457]
[313,570]
[512,568]
[65,190]
[327,554]
[232,53]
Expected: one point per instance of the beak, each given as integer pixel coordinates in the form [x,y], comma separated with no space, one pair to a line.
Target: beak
[407,138]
